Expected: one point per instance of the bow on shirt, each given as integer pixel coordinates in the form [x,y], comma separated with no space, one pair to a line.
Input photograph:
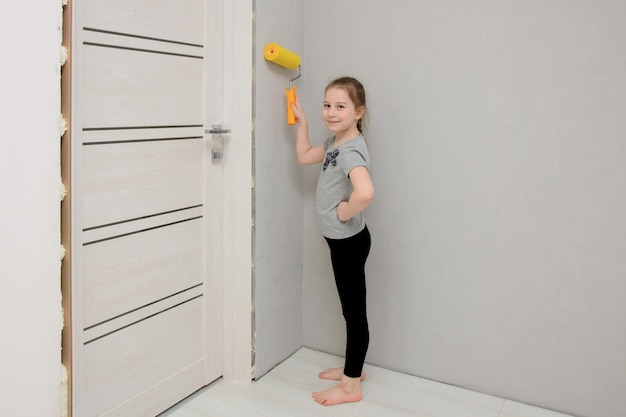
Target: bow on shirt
[331,158]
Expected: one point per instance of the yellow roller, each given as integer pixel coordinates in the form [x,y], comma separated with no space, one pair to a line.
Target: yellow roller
[290,60]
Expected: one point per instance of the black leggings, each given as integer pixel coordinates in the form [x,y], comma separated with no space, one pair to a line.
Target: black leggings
[348,257]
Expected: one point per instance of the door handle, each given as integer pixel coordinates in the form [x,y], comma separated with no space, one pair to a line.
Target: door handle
[217,130]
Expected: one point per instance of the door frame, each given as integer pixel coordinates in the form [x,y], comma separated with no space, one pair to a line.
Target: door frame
[237,183]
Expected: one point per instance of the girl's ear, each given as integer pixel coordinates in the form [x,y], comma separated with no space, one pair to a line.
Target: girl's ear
[359,112]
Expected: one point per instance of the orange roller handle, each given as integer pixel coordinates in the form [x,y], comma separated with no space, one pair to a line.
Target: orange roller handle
[291,98]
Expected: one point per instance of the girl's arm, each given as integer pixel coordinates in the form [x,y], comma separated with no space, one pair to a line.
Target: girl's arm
[305,153]
[361,195]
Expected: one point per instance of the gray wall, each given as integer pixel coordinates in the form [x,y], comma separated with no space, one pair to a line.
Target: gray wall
[278,193]
[497,135]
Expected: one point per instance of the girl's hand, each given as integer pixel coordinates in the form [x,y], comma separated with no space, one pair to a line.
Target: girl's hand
[341,212]
[297,111]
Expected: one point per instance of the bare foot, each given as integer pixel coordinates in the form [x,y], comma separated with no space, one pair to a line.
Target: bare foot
[348,390]
[336,374]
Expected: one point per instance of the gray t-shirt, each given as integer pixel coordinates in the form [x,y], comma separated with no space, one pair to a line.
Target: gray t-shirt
[334,186]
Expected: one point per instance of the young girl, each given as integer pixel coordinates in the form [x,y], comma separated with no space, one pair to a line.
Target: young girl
[344,190]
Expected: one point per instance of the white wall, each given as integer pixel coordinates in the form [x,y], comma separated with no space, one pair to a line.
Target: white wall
[278,191]
[30,310]
[499,236]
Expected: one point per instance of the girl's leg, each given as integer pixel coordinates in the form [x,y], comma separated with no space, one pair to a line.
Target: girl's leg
[348,258]
[335,374]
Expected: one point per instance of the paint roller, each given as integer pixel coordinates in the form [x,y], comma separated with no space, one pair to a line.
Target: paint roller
[290,60]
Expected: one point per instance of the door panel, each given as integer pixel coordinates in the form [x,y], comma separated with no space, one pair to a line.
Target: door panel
[145,17]
[132,360]
[143,86]
[123,181]
[128,272]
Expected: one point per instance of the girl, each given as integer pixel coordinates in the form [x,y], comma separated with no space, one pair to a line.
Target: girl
[344,190]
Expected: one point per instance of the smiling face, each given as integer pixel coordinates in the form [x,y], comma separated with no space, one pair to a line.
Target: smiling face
[340,115]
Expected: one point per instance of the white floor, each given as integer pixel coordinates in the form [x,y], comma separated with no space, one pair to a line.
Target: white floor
[286,392]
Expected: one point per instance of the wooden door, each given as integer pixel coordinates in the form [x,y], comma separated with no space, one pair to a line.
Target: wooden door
[145,319]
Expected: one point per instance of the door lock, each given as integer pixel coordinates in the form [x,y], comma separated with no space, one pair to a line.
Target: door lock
[216,154]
